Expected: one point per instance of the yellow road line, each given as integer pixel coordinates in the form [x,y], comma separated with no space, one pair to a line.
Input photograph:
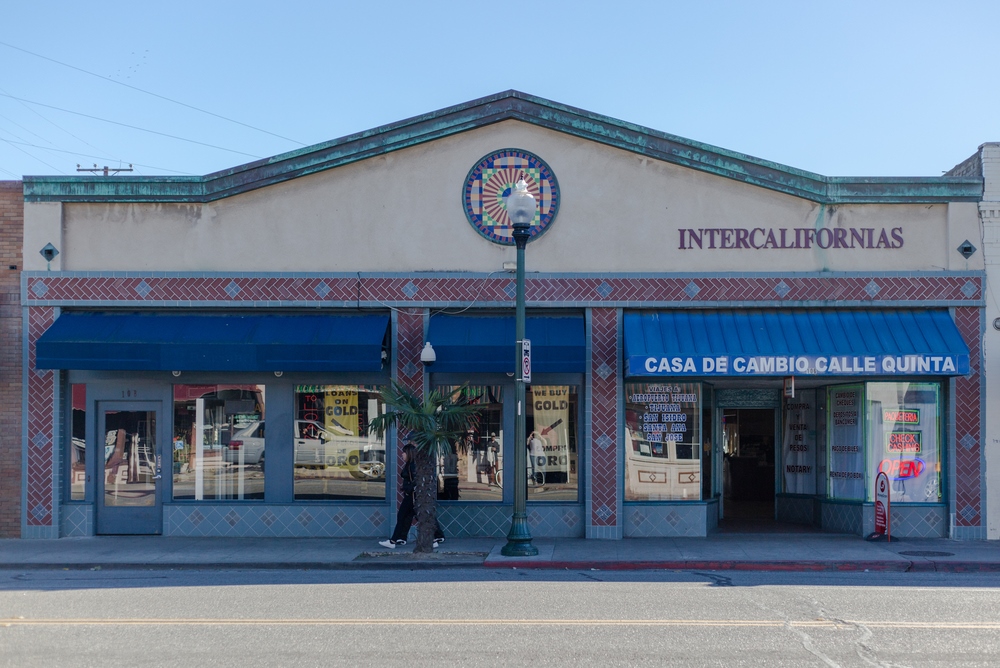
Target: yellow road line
[749,623]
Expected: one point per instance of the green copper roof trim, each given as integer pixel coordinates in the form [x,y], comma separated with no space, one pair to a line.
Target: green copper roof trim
[493,109]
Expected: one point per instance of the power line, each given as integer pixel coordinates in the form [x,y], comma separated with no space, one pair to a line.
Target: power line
[52,123]
[126,125]
[95,157]
[31,156]
[162,97]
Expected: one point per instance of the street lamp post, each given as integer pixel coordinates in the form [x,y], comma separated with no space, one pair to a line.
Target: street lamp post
[521,210]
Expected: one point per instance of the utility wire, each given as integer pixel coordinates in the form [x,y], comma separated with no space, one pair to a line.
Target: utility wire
[95,157]
[52,123]
[31,156]
[126,125]
[120,83]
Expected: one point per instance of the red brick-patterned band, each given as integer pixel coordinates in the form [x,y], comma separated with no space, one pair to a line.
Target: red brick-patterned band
[595,290]
[41,417]
[968,424]
[604,416]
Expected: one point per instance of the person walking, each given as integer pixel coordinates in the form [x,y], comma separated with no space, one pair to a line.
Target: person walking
[404,518]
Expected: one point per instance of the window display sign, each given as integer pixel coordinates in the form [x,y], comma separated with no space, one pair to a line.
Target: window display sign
[905,439]
[846,430]
[799,446]
[548,443]
[662,441]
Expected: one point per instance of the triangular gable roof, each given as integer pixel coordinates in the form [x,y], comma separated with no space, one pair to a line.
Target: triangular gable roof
[510,104]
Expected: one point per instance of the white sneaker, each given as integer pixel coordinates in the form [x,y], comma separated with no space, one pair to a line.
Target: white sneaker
[391,544]
[438,541]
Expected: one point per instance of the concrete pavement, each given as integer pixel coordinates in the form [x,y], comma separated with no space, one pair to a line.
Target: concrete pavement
[756,551]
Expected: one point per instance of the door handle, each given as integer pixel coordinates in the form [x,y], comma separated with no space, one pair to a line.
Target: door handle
[157,476]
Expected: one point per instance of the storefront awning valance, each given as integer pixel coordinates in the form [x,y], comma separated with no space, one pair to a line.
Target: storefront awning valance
[161,342]
[467,344]
[788,343]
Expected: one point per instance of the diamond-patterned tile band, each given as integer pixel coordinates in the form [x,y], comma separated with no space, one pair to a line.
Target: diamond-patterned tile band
[782,289]
[538,289]
[604,371]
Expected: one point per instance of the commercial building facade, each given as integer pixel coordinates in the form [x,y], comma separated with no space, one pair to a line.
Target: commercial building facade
[714,336]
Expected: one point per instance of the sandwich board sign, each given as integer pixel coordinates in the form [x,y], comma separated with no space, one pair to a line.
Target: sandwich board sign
[882,527]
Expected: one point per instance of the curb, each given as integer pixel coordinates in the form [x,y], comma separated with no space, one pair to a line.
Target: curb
[509,563]
[767,566]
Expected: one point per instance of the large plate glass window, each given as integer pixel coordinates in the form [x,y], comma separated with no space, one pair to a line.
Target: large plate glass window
[553,470]
[663,442]
[846,467]
[474,472]
[798,449]
[336,457]
[905,440]
[218,442]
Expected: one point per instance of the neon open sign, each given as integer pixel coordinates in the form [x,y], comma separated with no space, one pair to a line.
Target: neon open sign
[902,469]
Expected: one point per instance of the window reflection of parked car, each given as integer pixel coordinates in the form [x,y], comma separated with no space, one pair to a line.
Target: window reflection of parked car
[247,445]
[320,446]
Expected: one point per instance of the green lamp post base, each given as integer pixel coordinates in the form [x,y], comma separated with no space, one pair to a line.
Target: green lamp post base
[519,539]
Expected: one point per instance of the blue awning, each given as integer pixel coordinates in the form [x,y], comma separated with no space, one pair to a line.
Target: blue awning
[468,344]
[161,342]
[788,343]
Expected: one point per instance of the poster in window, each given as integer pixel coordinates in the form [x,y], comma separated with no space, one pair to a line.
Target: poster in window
[799,444]
[662,441]
[548,443]
[847,460]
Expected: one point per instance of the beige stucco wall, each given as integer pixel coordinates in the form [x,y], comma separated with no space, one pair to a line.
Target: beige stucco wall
[403,211]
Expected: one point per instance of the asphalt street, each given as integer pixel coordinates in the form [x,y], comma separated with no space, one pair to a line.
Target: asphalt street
[480,617]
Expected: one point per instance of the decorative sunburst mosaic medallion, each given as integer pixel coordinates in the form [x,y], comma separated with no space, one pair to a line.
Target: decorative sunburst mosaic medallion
[492,180]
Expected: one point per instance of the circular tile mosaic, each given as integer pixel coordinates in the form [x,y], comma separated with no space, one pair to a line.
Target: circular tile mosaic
[491,181]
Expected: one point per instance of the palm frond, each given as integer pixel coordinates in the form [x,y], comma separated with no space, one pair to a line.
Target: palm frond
[436,424]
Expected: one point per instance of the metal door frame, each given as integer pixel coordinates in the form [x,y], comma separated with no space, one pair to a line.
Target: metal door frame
[143,520]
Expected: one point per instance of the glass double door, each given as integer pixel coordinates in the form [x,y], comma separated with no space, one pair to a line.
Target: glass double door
[129,468]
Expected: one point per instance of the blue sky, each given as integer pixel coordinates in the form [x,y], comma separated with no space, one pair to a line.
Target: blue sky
[840,88]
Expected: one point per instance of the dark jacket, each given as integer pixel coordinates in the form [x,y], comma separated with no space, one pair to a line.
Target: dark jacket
[409,477]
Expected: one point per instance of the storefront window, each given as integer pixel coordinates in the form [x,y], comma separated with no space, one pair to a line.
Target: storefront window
[218,442]
[335,455]
[905,440]
[78,443]
[552,443]
[474,472]
[663,442]
[799,443]
[846,437]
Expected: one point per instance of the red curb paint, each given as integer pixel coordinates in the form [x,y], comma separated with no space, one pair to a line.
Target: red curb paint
[771,566]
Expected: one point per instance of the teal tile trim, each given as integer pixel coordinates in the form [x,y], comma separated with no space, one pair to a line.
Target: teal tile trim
[507,105]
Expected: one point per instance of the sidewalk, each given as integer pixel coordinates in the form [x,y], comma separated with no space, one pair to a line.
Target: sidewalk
[768,552]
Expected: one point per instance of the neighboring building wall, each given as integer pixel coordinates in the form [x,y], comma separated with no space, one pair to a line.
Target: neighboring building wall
[989,211]
[11,235]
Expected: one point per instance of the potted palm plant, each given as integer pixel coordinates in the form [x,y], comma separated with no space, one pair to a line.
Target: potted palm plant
[436,425]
